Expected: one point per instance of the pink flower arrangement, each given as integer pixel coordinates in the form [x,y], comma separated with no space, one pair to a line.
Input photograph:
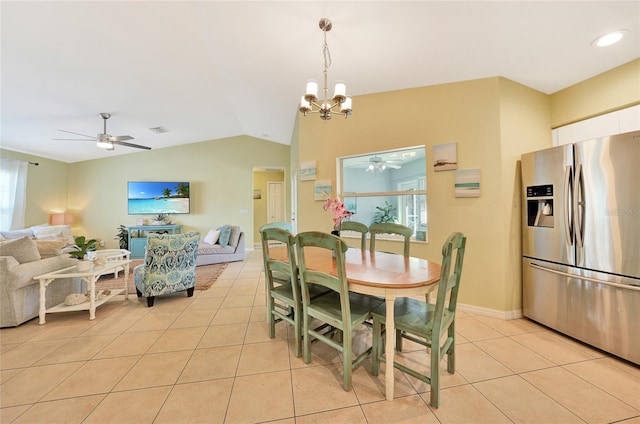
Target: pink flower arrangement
[338,210]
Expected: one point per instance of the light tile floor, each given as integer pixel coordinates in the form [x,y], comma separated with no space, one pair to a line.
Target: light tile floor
[208,359]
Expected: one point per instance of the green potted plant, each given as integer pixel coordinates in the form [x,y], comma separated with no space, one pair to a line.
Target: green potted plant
[83,246]
[123,237]
[159,219]
[385,213]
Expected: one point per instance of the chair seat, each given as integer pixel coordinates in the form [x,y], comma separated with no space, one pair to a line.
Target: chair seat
[327,307]
[413,316]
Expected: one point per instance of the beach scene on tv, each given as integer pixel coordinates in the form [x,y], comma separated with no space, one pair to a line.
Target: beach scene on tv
[158,197]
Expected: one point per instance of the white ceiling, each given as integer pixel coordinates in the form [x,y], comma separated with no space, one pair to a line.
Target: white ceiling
[211,69]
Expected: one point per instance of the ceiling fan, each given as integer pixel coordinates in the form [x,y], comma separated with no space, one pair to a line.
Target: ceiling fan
[377,164]
[104,140]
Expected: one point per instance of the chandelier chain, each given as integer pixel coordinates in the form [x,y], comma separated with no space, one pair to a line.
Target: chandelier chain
[326,52]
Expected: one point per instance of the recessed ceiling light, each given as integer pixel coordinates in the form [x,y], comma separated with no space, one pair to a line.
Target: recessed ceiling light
[609,38]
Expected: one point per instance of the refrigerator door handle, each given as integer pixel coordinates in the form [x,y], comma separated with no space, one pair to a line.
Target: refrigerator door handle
[579,207]
[568,200]
[580,277]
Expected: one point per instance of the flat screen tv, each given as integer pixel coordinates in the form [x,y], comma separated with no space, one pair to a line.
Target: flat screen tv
[155,197]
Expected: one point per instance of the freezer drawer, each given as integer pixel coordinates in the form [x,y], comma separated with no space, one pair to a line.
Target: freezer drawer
[598,309]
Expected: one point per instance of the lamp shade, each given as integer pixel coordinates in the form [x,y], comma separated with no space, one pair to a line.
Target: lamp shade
[61,219]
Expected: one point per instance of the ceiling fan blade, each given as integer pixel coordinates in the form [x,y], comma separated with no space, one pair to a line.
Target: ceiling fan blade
[74,139]
[83,135]
[137,146]
[120,137]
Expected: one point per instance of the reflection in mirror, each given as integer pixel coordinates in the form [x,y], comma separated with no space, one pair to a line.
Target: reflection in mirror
[387,186]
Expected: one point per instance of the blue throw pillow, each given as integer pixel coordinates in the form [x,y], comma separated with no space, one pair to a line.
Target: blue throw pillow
[225,234]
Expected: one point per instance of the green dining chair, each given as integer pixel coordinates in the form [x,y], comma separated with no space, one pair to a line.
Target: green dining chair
[340,309]
[278,224]
[357,227]
[391,228]
[282,288]
[426,323]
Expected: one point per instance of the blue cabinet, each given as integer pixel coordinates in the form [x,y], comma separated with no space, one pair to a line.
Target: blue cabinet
[138,237]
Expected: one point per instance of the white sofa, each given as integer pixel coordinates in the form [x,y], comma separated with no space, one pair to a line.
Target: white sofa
[20,261]
[215,253]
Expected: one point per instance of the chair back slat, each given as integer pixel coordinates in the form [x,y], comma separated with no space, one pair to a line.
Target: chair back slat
[278,224]
[449,283]
[287,266]
[391,228]
[338,282]
[359,228]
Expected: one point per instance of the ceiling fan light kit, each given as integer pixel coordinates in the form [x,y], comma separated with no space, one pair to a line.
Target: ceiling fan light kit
[339,104]
[105,140]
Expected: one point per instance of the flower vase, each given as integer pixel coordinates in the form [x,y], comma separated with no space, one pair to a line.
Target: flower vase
[337,234]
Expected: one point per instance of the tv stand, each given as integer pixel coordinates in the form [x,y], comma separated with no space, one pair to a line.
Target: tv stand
[138,237]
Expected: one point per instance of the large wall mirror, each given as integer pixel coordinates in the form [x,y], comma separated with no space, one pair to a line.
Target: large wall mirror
[387,186]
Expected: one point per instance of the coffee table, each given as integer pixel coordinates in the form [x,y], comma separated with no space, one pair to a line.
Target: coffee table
[112,255]
[89,277]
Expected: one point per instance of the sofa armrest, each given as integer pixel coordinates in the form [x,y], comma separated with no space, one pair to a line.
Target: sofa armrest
[7,263]
[240,246]
[21,275]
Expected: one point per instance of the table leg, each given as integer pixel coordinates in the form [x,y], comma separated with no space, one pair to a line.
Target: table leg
[126,281]
[91,282]
[390,344]
[43,300]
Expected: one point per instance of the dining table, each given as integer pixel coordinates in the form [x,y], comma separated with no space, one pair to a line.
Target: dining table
[383,274]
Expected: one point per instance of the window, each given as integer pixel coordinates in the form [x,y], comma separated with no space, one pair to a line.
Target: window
[389,186]
[13,184]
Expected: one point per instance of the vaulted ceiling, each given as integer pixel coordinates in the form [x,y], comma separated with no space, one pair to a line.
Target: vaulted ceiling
[212,69]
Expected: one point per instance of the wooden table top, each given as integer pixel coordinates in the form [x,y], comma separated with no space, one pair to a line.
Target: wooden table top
[374,269]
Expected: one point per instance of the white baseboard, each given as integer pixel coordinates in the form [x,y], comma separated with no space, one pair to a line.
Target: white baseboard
[492,313]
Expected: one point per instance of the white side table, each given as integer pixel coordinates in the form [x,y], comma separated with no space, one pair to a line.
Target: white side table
[113,255]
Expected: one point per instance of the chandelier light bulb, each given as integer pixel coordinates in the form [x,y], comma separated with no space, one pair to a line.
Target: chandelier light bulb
[345,107]
[340,91]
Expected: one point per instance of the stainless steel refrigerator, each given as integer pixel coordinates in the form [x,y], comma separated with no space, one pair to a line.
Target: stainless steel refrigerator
[581,241]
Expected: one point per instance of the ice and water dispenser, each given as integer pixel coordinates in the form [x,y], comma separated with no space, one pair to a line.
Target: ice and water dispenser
[540,205]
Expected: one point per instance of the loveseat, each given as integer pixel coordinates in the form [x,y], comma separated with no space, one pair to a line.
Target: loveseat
[20,261]
[224,244]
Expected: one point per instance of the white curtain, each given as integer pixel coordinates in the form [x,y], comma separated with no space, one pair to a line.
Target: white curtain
[13,193]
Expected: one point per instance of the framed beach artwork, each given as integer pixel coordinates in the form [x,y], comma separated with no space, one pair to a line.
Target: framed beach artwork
[351,204]
[445,157]
[308,171]
[467,183]
[322,190]
[257,194]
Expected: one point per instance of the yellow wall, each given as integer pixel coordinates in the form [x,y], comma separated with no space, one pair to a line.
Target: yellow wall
[46,187]
[469,113]
[607,92]
[260,180]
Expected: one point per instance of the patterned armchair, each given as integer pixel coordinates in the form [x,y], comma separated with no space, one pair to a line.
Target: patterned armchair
[169,266]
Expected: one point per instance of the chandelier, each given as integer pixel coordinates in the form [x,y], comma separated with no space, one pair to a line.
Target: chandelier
[340,103]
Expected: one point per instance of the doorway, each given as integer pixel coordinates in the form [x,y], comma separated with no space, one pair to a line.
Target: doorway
[269,199]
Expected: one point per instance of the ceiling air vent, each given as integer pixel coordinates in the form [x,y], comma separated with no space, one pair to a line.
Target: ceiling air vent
[158,130]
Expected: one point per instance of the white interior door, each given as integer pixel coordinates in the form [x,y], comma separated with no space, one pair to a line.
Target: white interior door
[275,201]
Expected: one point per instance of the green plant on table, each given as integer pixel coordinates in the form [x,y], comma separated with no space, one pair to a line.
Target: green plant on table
[160,217]
[83,246]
